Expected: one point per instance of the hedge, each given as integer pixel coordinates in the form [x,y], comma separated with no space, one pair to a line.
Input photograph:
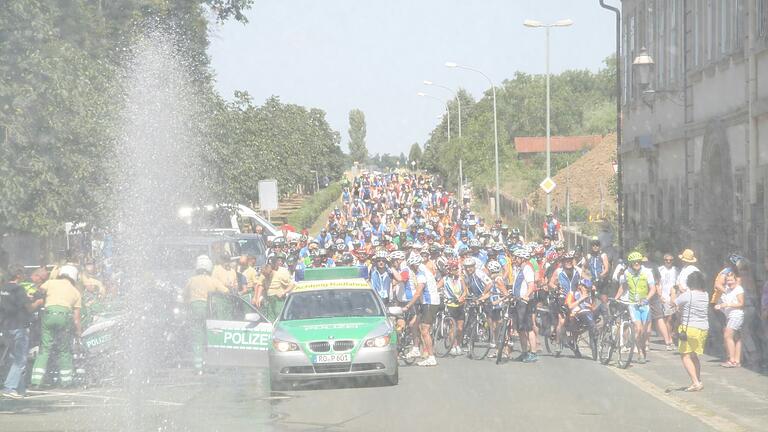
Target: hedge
[314,207]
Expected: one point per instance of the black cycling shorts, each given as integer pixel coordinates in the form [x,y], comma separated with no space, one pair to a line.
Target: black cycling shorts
[456,313]
[493,314]
[522,318]
[427,313]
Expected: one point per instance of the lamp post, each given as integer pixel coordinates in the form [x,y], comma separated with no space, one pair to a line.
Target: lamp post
[452,65]
[538,24]
[458,102]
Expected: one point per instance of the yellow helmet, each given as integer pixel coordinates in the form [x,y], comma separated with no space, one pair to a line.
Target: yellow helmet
[635,256]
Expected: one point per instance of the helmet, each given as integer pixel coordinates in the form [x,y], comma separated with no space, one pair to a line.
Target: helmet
[498,247]
[381,255]
[397,255]
[414,259]
[279,241]
[435,248]
[569,255]
[203,262]
[539,250]
[469,262]
[341,246]
[595,241]
[70,271]
[347,258]
[634,256]
[494,266]
[586,282]
[516,231]
[449,251]
[521,253]
[408,244]
[474,243]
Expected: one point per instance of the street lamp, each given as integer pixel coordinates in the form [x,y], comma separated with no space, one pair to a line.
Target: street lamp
[643,66]
[452,65]
[539,24]
[458,102]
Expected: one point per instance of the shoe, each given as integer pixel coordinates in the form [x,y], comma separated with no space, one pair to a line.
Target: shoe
[530,358]
[521,357]
[670,347]
[12,394]
[493,345]
[456,351]
[695,387]
[729,364]
[429,361]
[641,360]
[413,353]
[558,353]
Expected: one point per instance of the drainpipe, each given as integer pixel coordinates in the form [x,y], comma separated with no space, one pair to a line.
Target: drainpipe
[619,183]
[752,95]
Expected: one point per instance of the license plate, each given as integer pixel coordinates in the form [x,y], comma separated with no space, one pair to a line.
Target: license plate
[332,358]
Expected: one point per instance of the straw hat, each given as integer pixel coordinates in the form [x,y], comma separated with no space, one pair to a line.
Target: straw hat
[688,256]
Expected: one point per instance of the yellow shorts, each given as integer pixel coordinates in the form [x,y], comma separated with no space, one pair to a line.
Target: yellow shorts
[695,342]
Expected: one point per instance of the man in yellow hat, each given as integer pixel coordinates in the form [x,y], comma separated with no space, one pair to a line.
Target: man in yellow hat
[688,259]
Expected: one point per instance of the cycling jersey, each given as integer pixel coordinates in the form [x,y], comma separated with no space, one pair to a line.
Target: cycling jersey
[638,284]
[596,265]
[495,291]
[476,282]
[381,282]
[452,289]
[523,278]
[430,295]
[568,283]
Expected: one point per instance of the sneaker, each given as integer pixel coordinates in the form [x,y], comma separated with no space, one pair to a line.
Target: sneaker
[429,361]
[413,353]
[493,345]
[521,357]
[670,347]
[530,358]
[641,360]
[12,394]
[456,351]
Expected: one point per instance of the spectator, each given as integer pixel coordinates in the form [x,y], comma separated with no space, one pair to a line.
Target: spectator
[731,303]
[693,306]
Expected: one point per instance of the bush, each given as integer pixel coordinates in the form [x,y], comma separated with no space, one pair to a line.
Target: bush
[313,208]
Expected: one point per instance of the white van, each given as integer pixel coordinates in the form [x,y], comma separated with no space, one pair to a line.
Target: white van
[234,218]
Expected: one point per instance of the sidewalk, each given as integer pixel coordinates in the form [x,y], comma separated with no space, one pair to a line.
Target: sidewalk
[732,399]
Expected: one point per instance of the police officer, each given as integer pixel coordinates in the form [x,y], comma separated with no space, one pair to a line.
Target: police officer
[196,296]
[62,312]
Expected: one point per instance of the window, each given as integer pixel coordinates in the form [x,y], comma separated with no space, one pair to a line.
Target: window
[662,44]
[724,27]
[762,17]
[710,26]
[674,45]
[738,24]
[697,31]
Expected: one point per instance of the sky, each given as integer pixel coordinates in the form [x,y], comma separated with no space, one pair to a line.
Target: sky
[337,55]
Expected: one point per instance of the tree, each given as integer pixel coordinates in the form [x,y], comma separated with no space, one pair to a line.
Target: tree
[415,153]
[357,148]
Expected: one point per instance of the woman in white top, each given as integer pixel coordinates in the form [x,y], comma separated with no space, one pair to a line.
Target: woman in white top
[731,303]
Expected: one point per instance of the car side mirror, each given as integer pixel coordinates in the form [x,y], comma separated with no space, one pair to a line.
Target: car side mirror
[252,317]
[395,310]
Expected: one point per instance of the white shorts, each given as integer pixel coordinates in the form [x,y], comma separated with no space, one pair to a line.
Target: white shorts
[735,321]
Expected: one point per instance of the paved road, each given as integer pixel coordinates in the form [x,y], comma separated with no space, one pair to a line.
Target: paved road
[554,394]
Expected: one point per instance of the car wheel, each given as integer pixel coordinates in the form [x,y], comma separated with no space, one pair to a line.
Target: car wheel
[394,378]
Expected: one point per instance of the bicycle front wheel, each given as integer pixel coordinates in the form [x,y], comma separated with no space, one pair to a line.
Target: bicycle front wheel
[626,344]
[447,334]
[502,338]
[605,342]
[481,340]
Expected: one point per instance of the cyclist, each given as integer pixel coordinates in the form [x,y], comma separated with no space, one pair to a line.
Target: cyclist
[597,265]
[637,286]
[428,298]
[580,305]
[497,292]
[381,276]
[563,280]
[523,286]
[455,297]
[552,228]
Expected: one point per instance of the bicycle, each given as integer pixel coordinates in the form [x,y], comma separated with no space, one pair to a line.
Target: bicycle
[504,328]
[443,332]
[405,339]
[617,335]
[574,334]
[477,333]
[546,321]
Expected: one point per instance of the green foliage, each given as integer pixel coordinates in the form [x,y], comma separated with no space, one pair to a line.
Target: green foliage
[581,103]
[357,148]
[415,153]
[314,207]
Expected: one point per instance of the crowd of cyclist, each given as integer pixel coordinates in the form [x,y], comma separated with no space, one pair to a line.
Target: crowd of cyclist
[426,251]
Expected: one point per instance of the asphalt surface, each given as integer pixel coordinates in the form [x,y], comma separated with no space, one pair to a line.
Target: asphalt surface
[555,394]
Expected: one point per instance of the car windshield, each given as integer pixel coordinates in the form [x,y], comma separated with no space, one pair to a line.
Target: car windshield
[331,304]
[251,247]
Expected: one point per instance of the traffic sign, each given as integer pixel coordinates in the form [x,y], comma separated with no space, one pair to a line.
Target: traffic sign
[548,185]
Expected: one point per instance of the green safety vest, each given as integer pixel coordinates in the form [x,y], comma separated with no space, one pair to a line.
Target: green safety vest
[638,286]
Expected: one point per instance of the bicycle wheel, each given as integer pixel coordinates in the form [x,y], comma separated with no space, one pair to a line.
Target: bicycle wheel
[593,343]
[502,338]
[481,340]
[436,333]
[605,344]
[574,341]
[545,328]
[626,344]
[405,344]
[447,334]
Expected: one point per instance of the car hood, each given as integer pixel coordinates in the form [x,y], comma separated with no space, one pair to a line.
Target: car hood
[331,328]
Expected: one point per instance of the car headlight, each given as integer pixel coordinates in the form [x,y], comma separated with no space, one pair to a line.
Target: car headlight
[377,342]
[284,346]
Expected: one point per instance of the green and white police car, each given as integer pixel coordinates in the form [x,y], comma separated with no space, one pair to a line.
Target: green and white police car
[333,326]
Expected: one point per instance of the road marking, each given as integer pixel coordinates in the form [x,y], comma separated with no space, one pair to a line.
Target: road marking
[709,418]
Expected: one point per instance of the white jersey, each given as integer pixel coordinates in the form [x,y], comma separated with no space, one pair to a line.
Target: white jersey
[682,278]
[431,294]
[667,280]
[522,280]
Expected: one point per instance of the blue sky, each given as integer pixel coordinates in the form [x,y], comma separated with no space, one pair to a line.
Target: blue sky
[373,55]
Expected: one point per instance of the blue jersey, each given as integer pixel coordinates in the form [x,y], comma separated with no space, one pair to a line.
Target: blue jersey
[381,283]
[567,284]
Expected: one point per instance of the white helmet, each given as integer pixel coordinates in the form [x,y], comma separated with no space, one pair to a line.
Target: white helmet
[494,267]
[469,262]
[69,271]
[414,259]
[203,262]
[522,253]
[397,255]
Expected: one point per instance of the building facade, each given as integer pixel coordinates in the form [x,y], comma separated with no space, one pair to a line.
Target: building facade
[695,142]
